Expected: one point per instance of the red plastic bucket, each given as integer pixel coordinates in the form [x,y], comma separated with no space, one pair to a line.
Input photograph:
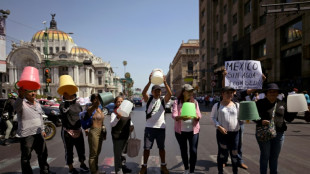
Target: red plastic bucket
[29,79]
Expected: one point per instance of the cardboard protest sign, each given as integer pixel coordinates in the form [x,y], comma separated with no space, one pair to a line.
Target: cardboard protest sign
[244,74]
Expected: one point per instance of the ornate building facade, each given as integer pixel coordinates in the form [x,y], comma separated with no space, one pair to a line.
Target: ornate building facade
[64,58]
[184,68]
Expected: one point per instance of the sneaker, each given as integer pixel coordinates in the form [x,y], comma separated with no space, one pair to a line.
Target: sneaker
[6,142]
[143,170]
[73,171]
[84,168]
[242,165]
[186,171]
[163,169]
[125,169]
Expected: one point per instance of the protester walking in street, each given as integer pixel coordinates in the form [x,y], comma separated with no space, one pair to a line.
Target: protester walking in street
[71,132]
[9,107]
[121,129]
[273,113]
[31,131]
[186,128]
[224,115]
[155,128]
[96,133]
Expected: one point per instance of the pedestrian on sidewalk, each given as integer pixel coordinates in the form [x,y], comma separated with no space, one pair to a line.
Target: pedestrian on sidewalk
[187,128]
[96,133]
[271,110]
[121,129]
[155,128]
[224,115]
[31,130]
[71,132]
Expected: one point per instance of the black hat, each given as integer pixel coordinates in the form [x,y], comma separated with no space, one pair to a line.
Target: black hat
[156,87]
[228,88]
[272,86]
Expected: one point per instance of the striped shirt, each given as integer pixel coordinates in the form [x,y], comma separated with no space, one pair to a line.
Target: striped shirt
[227,117]
[29,116]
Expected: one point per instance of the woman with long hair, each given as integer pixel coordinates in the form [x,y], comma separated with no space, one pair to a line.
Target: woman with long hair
[121,128]
[224,115]
[187,128]
[96,133]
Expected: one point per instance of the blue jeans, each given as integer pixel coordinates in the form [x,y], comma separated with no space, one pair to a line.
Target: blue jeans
[193,145]
[227,143]
[269,152]
[240,160]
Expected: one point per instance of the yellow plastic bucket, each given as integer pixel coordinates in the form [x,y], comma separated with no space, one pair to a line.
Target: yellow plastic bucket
[188,109]
[66,84]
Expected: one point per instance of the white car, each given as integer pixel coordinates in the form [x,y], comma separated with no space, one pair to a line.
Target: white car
[169,105]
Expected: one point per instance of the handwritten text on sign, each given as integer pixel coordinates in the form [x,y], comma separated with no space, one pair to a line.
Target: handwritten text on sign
[244,74]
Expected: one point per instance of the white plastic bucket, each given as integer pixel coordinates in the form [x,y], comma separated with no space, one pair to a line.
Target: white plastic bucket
[157,77]
[125,108]
[296,103]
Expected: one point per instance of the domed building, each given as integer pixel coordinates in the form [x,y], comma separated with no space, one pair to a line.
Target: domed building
[63,57]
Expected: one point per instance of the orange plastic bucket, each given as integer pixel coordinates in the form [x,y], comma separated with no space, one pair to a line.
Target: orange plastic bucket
[29,79]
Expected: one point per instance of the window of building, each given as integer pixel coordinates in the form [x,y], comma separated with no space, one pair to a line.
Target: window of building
[262,20]
[235,19]
[260,49]
[90,76]
[190,51]
[247,7]
[234,1]
[203,28]
[62,56]
[217,35]
[63,48]
[203,43]
[225,45]
[203,58]
[38,48]
[247,30]
[235,38]
[100,91]
[99,80]
[44,50]
[293,32]
[225,28]
[225,9]
[51,50]
[190,67]
[57,49]
[203,13]
[99,72]
[217,18]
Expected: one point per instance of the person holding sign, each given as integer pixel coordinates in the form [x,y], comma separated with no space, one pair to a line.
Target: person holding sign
[187,127]
[224,115]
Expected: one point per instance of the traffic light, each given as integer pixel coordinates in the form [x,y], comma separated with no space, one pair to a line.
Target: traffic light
[47,73]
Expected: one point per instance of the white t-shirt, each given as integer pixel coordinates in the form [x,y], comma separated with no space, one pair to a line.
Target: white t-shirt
[158,115]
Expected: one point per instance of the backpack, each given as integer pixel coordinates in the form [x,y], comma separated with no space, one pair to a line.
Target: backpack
[148,115]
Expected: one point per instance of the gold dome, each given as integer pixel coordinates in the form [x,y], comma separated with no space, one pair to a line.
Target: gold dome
[53,35]
[80,50]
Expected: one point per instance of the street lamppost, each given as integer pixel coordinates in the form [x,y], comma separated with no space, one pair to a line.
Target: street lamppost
[124,63]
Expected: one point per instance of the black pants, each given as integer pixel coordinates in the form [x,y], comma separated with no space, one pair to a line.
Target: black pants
[33,142]
[69,142]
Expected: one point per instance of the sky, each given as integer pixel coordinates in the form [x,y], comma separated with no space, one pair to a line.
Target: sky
[145,33]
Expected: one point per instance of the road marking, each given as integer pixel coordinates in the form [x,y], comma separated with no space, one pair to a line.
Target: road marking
[7,162]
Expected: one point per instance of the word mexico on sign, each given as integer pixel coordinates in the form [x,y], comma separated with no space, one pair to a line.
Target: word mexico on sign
[243,74]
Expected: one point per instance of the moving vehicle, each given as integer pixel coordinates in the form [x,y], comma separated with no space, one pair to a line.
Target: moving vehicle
[49,128]
[137,101]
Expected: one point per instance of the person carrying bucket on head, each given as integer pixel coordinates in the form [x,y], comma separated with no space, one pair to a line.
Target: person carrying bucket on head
[71,132]
[30,122]
[187,127]
[155,128]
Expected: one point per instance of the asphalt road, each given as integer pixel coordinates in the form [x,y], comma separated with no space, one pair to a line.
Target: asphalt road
[294,157]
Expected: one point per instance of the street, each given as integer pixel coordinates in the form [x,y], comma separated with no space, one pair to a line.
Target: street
[294,157]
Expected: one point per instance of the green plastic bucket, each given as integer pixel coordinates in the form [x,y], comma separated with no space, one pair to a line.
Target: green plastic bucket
[106,98]
[248,111]
[188,110]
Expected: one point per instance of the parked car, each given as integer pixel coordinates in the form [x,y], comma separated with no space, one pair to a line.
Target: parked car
[108,109]
[137,101]
[53,114]
[45,102]
[169,105]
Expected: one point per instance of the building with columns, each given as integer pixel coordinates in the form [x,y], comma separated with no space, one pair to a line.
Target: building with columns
[64,58]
